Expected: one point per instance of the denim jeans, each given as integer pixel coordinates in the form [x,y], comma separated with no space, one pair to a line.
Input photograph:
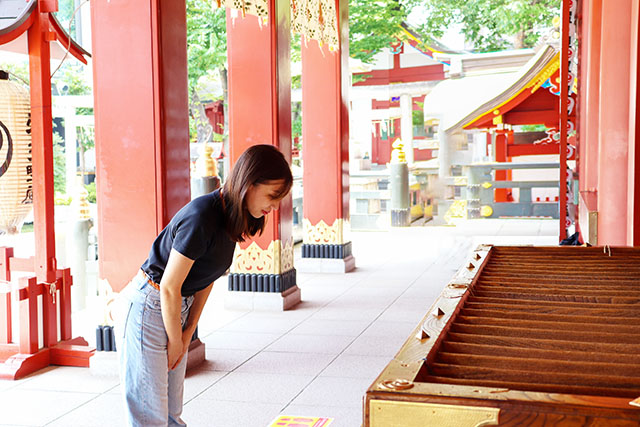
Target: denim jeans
[152,393]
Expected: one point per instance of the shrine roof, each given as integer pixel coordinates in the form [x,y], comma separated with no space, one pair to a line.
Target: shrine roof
[16,16]
[515,91]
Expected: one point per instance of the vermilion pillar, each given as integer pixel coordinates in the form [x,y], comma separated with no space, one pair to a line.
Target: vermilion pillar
[613,172]
[588,115]
[634,129]
[262,275]
[39,72]
[325,136]
[141,114]
[502,142]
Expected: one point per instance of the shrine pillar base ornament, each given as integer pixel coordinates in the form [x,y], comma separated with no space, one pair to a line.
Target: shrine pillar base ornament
[263,279]
[258,41]
[324,248]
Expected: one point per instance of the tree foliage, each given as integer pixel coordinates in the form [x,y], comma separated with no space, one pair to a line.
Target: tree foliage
[491,24]
[206,39]
[375,24]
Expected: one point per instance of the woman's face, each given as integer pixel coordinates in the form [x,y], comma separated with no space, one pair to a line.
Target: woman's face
[262,198]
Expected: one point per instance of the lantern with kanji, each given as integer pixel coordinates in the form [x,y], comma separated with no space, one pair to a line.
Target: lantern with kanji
[16,191]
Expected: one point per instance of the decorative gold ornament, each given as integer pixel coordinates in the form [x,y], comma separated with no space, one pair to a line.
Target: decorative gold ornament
[458,209]
[205,164]
[258,8]
[316,20]
[16,172]
[397,153]
[276,259]
[323,234]
[383,413]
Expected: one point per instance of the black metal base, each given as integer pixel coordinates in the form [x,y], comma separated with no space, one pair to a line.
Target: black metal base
[105,339]
[262,282]
[400,218]
[326,251]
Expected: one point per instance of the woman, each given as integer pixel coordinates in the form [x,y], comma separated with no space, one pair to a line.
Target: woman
[165,299]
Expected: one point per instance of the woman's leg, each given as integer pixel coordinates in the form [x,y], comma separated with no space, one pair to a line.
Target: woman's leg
[143,359]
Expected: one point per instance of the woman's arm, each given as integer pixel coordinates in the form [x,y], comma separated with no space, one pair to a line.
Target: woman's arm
[176,271]
[199,300]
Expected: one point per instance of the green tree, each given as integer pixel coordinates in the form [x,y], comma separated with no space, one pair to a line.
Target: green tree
[492,24]
[206,51]
[374,25]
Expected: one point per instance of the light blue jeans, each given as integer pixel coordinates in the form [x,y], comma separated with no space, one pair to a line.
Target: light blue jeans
[152,393]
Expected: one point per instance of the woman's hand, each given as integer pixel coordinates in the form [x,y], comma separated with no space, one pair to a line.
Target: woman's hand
[186,341]
[175,351]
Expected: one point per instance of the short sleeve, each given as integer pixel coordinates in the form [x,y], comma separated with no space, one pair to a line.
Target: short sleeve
[191,238]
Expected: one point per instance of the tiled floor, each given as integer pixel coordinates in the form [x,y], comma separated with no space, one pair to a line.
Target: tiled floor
[315,360]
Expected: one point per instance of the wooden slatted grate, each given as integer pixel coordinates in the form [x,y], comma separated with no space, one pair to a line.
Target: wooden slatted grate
[561,320]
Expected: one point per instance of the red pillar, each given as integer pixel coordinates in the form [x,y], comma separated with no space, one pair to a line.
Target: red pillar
[588,114]
[260,113]
[500,194]
[325,135]
[42,146]
[141,112]
[634,130]
[613,173]
[590,69]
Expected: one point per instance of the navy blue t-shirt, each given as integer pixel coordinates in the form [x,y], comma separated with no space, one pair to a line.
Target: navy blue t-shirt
[197,232]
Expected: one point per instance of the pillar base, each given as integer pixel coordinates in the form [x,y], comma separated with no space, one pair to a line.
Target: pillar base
[263,301]
[400,218]
[326,265]
[196,354]
[326,251]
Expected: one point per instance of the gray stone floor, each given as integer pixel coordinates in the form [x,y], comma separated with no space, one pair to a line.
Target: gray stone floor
[315,360]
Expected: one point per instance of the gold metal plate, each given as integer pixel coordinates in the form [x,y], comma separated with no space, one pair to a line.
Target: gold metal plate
[386,413]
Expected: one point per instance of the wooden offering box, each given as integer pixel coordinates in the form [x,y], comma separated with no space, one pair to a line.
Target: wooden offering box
[522,336]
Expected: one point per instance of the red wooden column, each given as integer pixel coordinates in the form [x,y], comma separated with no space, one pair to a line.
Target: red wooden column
[634,130]
[262,275]
[613,172]
[42,145]
[325,135]
[588,131]
[141,114]
[502,142]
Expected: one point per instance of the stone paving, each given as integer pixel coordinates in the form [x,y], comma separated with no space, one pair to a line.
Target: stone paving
[315,360]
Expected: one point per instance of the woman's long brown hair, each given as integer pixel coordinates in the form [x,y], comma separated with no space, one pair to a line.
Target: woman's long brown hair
[257,165]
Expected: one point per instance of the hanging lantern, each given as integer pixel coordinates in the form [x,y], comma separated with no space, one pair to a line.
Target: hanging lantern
[16,182]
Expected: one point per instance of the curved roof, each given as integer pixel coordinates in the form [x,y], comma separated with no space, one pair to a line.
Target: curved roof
[530,78]
[16,16]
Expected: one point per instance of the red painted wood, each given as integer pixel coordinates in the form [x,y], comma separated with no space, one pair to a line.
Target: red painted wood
[402,75]
[22,264]
[141,112]
[590,122]
[5,317]
[29,316]
[501,194]
[564,96]
[539,107]
[634,137]
[21,364]
[42,148]
[325,129]
[613,174]
[65,303]
[260,97]
[6,38]
[5,268]
[49,315]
